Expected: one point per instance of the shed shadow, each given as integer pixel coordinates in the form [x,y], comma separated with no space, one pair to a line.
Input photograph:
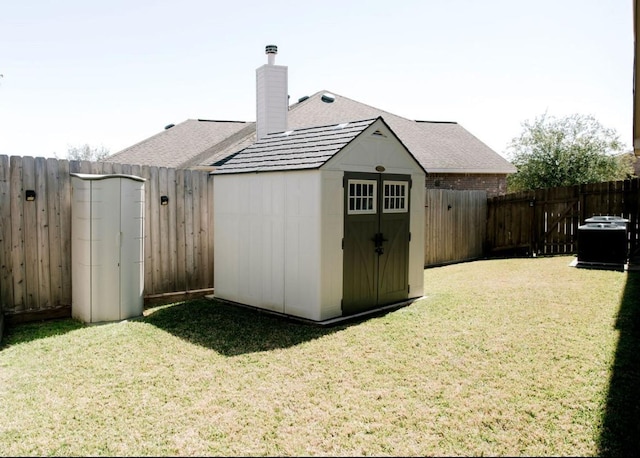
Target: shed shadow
[620,434]
[232,330]
[27,332]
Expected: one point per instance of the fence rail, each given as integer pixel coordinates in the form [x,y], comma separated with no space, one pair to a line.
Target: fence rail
[35,236]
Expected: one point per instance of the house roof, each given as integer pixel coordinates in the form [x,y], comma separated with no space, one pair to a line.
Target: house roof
[444,147]
[440,147]
[180,144]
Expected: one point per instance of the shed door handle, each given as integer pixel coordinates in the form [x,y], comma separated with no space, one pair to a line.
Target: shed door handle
[378,239]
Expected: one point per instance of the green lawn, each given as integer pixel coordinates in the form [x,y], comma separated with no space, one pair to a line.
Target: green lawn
[502,357]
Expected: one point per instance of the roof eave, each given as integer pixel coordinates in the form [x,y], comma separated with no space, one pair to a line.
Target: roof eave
[218,172]
[471,171]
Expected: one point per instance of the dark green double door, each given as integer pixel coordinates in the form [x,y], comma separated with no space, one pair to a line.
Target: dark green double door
[376,240]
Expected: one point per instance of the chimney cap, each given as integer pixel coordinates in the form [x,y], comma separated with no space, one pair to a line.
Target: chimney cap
[271,49]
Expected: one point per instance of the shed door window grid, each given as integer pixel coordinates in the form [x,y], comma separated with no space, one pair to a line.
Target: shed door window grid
[395,197]
[362,197]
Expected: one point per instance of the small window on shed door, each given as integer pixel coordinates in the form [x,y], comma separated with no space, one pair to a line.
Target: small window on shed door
[395,197]
[362,197]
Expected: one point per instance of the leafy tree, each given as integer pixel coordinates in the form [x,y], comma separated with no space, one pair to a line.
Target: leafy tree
[86,153]
[575,149]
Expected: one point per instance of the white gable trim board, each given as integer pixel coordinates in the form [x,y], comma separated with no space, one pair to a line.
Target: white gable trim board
[279,235]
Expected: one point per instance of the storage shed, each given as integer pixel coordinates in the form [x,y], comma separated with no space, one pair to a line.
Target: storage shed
[320,222]
[107,247]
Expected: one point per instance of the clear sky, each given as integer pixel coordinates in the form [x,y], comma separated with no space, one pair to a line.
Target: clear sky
[113,73]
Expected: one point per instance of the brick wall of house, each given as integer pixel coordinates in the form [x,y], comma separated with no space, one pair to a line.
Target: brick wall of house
[494,184]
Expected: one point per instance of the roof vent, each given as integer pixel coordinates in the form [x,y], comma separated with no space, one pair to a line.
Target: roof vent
[342,126]
[302,99]
[328,98]
[168,126]
[287,133]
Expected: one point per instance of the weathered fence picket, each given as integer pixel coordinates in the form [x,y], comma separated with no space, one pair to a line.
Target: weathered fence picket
[454,225]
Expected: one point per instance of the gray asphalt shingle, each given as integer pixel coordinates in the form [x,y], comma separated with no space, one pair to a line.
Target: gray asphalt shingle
[174,146]
[304,148]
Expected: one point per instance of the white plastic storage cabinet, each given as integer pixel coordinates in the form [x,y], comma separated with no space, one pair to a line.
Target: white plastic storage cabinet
[107,247]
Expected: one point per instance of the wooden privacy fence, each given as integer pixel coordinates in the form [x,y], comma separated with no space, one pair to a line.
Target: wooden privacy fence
[35,236]
[546,221]
[455,223]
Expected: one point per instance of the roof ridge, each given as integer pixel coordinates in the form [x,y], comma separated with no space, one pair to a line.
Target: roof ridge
[219,120]
[301,129]
[437,122]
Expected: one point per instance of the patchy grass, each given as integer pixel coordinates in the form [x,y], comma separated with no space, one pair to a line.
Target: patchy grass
[503,357]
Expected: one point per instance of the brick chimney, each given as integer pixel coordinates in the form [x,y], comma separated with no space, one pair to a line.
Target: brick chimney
[272,98]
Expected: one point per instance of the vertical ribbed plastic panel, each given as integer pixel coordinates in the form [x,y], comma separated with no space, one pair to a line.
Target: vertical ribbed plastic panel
[81,250]
[107,247]
[132,248]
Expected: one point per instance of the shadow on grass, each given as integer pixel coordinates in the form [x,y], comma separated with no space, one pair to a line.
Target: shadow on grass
[233,330]
[27,332]
[621,423]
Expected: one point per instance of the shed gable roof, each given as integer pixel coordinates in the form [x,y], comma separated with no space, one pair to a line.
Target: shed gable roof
[305,148]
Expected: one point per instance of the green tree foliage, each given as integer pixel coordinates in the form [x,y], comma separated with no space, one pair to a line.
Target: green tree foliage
[566,151]
[85,153]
